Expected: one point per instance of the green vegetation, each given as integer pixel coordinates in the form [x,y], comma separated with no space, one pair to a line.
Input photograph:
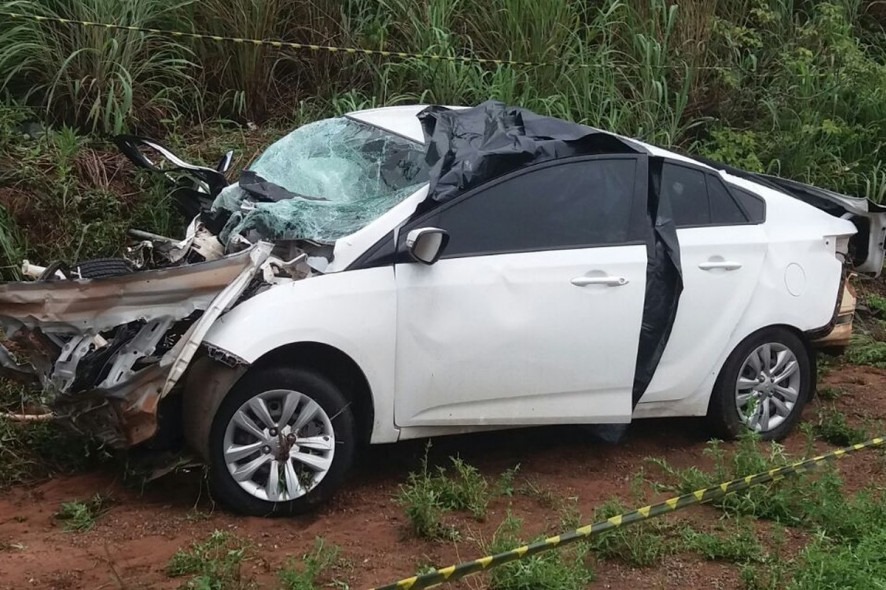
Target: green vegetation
[306,575]
[737,544]
[428,494]
[848,529]
[31,451]
[213,564]
[866,349]
[564,569]
[638,545]
[746,82]
[81,516]
[833,427]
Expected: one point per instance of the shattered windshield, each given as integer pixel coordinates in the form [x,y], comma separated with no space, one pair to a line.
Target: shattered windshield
[323,181]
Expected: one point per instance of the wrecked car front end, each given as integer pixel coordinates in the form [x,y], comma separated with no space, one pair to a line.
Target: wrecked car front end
[106,342]
[106,351]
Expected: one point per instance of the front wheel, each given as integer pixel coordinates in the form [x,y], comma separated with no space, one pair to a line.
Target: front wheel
[281,442]
[763,386]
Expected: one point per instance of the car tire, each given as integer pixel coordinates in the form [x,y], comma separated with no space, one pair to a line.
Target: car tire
[102,268]
[766,396]
[311,450]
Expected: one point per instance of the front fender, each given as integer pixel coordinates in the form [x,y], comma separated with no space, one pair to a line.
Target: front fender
[353,311]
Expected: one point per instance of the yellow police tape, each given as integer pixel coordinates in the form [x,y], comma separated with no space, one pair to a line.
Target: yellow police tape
[455,572]
[277,44]
[465,59]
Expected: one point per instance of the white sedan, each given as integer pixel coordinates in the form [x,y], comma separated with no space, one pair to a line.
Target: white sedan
[456,278]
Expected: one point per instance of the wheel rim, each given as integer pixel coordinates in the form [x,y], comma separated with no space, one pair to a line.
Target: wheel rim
[768,387]
[279,445]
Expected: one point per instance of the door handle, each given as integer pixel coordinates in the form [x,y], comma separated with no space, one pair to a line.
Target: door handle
[719,265]
[607,281]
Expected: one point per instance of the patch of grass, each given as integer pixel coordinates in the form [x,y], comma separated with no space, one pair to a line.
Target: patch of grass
[213,564]
[34,451]
[776,570]
[738,544]
[562,569]
[541,494]
[428,494]
[103,79]
[866,350]
[505,484]
[833,427]
[639,545]
[829,394]
[306,574]
[877,304]
[834,565]
[81,516]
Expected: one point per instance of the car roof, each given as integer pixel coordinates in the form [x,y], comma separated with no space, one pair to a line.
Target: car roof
[402,120]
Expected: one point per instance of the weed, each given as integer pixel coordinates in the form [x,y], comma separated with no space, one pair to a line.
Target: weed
[877,303]
[427,495]
[829,394]
[541,494]
[305,576]
[36,450]
[639,545]
[214,564]
[564,569]
[774,572]
[833,427]
[505,484]
[81,516]
[737,545]
[865,350]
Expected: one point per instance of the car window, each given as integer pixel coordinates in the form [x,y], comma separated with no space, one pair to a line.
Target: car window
[754,205]
[724,209]
[687,192]
[569,205]
[699,199]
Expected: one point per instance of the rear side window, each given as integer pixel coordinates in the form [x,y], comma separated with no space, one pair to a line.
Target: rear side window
[569,205]
[724,209]
[686,190]
[753,205]
[699,199]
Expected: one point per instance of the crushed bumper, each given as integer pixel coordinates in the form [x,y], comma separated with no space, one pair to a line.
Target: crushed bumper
[106,351]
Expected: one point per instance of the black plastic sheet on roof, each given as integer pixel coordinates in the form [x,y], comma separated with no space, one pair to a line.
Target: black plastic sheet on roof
[467,148]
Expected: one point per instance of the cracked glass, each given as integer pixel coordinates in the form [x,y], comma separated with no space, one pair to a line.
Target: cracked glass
[323,181]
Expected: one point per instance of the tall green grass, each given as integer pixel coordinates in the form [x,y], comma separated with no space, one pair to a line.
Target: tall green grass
[783,86]
[103,79]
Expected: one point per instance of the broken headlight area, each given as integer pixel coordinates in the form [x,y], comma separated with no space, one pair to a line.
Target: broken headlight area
[106,351]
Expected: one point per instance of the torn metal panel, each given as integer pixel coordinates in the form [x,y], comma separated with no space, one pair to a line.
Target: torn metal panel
[73,306]
[107,376]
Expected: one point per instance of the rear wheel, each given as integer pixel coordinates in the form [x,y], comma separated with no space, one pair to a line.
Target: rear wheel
[281,442]
[764,385]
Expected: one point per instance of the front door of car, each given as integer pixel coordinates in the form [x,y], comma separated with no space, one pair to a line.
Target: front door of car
[533,313]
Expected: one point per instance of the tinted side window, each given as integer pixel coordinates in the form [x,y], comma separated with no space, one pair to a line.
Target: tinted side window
[699,199]
[724,210]
[753,204]
[561,206]
[686,189]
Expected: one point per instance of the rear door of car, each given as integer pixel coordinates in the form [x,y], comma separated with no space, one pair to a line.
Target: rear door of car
[722,250]
[533,313]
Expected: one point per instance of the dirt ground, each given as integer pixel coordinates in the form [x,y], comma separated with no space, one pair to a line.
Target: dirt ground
[131,544]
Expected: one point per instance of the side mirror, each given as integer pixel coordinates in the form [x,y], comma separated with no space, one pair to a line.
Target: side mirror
[426,244]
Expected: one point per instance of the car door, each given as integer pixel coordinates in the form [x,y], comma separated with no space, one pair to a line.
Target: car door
[722,250]
[533,313]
